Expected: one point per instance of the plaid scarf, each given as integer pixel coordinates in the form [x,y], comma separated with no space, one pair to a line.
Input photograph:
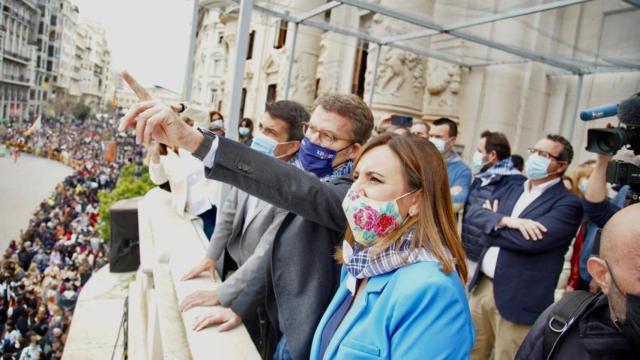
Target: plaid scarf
[344,169]
[360,266]
[503,167]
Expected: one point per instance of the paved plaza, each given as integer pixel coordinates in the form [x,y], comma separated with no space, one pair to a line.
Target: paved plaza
[22,186]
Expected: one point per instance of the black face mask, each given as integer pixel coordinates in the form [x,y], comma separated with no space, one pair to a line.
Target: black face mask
[630,326]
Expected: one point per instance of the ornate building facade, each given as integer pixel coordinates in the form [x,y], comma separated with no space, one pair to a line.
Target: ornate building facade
[525,100]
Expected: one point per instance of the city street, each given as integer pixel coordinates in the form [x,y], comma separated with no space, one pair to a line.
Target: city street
[22,186]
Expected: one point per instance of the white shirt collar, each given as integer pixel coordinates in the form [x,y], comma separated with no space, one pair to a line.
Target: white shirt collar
[542,187]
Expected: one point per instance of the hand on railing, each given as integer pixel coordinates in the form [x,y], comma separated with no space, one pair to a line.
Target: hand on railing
[200,298]
[205,265]
[226,318]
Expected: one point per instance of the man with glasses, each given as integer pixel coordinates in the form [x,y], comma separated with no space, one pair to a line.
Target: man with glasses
[302,275]
[605,325]
[527,229]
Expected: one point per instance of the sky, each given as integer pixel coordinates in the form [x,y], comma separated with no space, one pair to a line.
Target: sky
[149,38]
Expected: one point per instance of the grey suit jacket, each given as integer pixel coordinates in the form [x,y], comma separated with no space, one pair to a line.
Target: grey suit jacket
[248,240]
[302,275]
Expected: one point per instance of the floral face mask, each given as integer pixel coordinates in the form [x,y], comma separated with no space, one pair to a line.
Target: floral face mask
[370,220]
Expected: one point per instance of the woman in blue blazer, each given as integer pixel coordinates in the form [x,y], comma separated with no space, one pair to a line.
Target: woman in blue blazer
[401,294]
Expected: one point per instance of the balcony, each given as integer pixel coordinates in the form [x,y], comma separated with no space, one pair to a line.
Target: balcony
[156,327]
[16,79]
[14,14]
[17,57]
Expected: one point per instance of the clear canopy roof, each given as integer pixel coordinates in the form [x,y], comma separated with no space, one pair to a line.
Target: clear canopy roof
[477,33]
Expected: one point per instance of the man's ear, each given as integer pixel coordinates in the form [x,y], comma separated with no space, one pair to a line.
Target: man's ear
[294,146]
[493,157]
[562,168]
[354,151]
[600,273]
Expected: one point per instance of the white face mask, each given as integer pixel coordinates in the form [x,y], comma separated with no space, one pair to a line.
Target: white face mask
[217,124]
[440,144]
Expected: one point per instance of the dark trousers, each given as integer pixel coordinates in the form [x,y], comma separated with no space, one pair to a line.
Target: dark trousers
[209,220]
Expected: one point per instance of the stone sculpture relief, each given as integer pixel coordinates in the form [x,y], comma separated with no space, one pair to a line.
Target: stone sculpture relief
[397,69]
[443,83]
[302,87]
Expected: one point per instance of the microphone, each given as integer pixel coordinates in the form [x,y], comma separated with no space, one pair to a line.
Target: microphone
[598,112]
[629,113]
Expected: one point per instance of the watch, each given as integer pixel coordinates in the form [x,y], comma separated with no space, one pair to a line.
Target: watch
[206,143]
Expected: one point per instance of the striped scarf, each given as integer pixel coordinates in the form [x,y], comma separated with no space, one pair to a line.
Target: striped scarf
[360,265]
[503,167]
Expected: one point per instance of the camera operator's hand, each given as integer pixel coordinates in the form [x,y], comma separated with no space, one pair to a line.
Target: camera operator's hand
[597,185]
[155,120]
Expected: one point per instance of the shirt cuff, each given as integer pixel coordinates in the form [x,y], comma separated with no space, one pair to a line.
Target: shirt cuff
[206,152]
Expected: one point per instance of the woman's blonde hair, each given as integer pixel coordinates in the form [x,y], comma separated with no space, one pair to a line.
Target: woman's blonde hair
[581,171]
[435,223]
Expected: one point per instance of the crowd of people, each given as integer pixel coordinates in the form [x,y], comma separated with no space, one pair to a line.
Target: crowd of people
[338,242]
[43,271]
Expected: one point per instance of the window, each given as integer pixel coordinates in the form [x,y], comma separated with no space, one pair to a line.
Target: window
[271,92]
[359,68]
[281,34]
[214,96]
[217,67]
[220,38]
[327,14]
[242,102]
[252,37]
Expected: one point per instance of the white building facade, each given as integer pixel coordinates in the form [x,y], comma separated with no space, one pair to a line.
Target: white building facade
[525,100]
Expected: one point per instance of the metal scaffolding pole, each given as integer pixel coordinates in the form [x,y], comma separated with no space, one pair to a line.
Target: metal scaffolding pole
[373,75]
[576,103]
[291,60]
[188,82]
[244,26]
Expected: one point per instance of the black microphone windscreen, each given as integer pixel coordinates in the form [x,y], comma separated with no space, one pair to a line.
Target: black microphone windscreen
[629,111]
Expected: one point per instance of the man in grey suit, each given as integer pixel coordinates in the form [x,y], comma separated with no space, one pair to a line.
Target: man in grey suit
[246,227]
[302,275]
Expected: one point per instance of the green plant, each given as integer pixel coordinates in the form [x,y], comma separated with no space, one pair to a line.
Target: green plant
[128,186]
[81,110]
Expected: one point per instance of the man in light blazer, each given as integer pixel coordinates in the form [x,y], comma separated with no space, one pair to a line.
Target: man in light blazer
[247,225]
[527,229]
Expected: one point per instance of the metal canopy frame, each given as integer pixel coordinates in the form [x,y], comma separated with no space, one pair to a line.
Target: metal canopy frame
[430,28]
[576,67]
[484,20]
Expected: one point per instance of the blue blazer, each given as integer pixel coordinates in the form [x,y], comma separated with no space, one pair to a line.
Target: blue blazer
[527,271]
[414,312]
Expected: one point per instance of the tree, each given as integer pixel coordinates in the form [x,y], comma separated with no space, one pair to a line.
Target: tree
[81,111]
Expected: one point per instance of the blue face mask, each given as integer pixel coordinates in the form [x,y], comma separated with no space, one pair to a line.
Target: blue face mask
[244,131]
[478,160]
[536,167]
[316,159]
[265,145]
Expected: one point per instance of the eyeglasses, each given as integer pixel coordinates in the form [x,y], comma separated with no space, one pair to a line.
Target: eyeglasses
[326,138]
[543,153]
